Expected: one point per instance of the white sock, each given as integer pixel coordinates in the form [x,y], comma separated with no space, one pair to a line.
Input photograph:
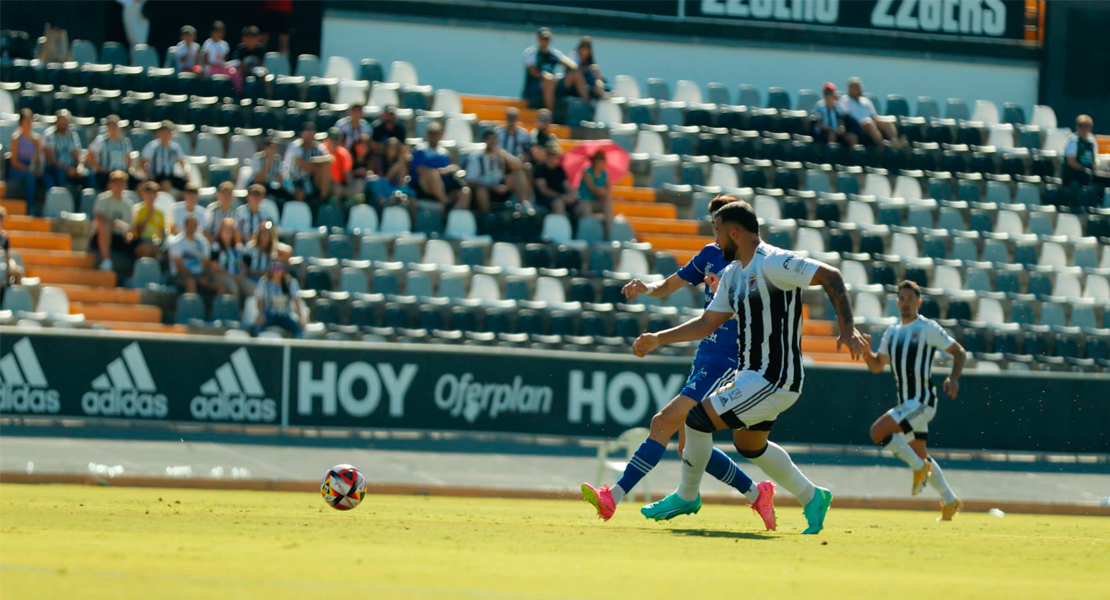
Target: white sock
[901,448]
[940,484]
[776,463]
[699,445]
[753,494]
[617,492]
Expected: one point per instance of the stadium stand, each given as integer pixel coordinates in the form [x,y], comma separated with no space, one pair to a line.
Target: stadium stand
[972,210]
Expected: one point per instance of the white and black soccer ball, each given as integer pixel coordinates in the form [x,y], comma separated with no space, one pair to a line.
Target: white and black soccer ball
[343,487]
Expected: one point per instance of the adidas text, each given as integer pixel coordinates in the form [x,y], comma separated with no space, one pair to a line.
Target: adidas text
[233,408]
[24,399]
[117,403]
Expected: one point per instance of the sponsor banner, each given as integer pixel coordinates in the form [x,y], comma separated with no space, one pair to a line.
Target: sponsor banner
[984,19]
[104,377]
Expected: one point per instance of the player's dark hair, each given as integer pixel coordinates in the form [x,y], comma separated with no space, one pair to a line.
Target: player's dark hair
[906,284]
[719,201]
[739,213]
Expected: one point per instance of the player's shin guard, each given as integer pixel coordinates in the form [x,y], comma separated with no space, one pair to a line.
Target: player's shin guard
[776,463]
[898,446]
[729,473]
[642,462]
[940,484]
[699,447]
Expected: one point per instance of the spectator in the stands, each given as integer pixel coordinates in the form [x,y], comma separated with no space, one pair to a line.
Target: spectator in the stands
[494,175]
[227,264]
[343,183]
[269,169]
[541,82]
[391,171]
[190,205]
[513,138]
[10,271]
[307,167]
[136,25]
[262,249]
[587,80]
[63,153]
[112,215]
[278,302]
[189,255]
[354,125]
[541,135]
[186,54]
[1080,153]
[110,151]
[251,216]
[433,175]
[552,190]
[26,156]
[148,222]
[161,156]
[223,207]
[277,21]
[385,127]
[362,159]
[595,189]
[862,118]
[250,54]
[55,45]
[828,119]
[215,53]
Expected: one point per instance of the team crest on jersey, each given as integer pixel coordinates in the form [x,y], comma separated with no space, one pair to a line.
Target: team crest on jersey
[915,337]
[753,284]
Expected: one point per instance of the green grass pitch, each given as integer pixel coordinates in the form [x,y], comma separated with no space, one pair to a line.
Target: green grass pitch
[97,542]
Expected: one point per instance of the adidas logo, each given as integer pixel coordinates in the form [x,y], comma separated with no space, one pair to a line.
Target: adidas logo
[126,389]
[234,394]
[23,387]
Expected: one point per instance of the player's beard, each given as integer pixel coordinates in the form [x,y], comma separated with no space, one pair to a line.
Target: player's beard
[728,250]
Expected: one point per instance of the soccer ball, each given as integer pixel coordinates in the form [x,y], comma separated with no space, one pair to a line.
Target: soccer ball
[343,487]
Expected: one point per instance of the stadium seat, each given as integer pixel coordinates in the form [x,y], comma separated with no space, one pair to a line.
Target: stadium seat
[505,255]
[1040,224]
[1043,117]
[908,188]
[948,279]
[633,261]
[1053,255]
[147,272]
[395,221]
[372,249]
[964,249]
[1068,224]
[876,184]
[317,278]
[339,247]
[557,229]
[387,282]
[190,307]
[626,87]
[591,231]
[353,281]
[1098,288]
[452,286]
[1083,315]
[484,288]
[1052,314]
[1067,285]
[748,96]
[854,273]
[419,284]
[408,250]
[58,200]
[860,213]
[225,309]
[978,280]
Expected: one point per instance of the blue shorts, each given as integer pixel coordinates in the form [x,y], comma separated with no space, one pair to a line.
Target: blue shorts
[706,377]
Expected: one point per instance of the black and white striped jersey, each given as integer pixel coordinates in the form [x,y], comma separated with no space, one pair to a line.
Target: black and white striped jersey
[911,347]
[766,298]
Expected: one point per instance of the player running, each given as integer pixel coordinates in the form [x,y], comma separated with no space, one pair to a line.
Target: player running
[909,347]
[715,359]
[763,290]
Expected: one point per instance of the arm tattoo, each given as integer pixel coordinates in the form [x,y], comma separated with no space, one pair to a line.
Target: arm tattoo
[834,287]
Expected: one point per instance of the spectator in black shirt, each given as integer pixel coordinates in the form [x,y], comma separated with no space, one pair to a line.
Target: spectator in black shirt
[541,135]
[551,182]
[541,83]
[250,55]
[387,126]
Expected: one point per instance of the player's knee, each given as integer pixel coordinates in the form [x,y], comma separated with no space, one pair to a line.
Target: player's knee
[698,420]
[878,436]
[751,454]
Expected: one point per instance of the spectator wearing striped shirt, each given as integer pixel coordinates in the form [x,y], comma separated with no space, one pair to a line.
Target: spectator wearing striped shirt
[354,126]
[227,262]
[828,119]
[269,169]
[62,150]
[161,157]
[307,166]
[513,138]
[251,216]
[190,205]
[110,151]
[222,208]
[263,249]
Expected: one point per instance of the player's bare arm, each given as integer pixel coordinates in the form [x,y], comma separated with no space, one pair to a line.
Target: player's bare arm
[959,357]
[830,278]
[694,329]
[875,362]
[659,289]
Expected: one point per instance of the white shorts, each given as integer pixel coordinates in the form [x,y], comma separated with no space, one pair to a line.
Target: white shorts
[914,417]
[749,401]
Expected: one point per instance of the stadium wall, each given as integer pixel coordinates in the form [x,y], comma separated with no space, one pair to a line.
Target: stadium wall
[486,58]
[205,380]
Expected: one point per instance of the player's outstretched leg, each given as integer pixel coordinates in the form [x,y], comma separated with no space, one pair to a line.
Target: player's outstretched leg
[686,500]
[888,432]
[950,504]
[776,462]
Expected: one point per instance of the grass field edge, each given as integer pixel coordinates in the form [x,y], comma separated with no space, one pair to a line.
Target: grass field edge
[273,485]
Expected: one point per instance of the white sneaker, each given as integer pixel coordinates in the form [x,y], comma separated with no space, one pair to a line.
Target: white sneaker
[106,264]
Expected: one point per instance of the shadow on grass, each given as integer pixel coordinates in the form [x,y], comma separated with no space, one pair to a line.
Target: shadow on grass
[711,533]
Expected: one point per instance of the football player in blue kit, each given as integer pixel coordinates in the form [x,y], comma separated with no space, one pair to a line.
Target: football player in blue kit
[715,360]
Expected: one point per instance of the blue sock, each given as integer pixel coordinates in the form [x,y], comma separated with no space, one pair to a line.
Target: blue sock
[643,461]
[722,467]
